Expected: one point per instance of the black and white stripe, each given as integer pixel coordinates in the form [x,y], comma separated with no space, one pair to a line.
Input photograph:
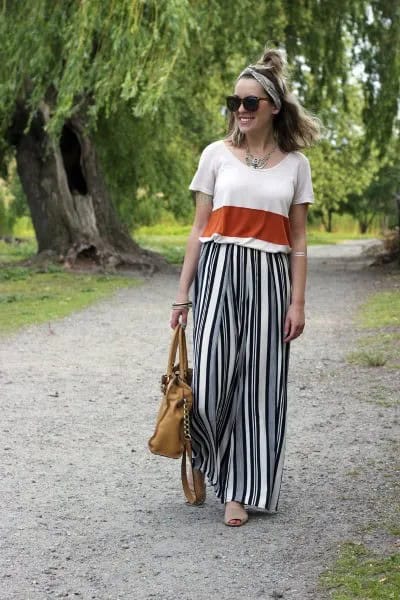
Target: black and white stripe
[240,371]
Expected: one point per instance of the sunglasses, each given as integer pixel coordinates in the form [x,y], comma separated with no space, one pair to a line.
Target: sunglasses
[250,103]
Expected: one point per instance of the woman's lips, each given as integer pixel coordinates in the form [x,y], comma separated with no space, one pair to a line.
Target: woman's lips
[245,120]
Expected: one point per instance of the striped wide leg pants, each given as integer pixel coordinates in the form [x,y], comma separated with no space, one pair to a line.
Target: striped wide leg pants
[240,365]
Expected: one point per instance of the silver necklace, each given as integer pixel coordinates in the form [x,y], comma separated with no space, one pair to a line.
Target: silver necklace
[258,163]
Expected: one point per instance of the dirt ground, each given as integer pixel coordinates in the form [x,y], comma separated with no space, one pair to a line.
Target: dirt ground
[87,512]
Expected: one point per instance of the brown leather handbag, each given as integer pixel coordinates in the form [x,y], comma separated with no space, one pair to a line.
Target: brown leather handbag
[171,437]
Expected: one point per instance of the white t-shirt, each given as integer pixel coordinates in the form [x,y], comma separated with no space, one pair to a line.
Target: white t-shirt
[251,206]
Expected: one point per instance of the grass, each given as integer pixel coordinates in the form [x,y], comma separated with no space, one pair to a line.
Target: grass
[314,236]
[377,349]
[15,252]
[170,239]
[382,310]
[28,297]
[380,315]
[359,574]
[366,358]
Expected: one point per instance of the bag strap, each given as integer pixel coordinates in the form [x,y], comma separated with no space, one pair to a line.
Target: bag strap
[183,355]
[178,344]
[194,494]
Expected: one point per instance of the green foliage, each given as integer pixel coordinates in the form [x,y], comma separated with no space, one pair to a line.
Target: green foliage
[189,114]
[12,200]
[340,167]
[28,297]
[15,252]
[378,35]
[147,165]
[93,54]
[378,197]
[353,39]
[23,228]
[151,77]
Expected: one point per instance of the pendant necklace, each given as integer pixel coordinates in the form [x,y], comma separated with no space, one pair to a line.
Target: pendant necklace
[258,163]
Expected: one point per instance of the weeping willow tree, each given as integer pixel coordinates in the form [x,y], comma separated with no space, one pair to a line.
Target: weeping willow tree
[344,62]
[61,65]
[141,83]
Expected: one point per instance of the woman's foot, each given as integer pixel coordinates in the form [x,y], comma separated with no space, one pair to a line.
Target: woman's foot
[235,514]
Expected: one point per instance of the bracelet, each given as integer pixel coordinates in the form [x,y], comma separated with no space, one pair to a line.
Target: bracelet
[299,254]
[177,305]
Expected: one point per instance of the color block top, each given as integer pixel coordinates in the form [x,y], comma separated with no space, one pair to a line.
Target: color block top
[251,206]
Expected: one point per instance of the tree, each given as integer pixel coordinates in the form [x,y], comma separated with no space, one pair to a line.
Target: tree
[378,197]
[116,99]
[62,65]
[324,62]
[341,169]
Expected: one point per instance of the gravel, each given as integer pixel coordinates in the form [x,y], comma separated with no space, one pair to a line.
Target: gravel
[87,512]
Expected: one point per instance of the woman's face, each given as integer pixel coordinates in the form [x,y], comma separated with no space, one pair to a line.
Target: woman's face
[261,119]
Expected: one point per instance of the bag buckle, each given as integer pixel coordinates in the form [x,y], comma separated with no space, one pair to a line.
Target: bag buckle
[164,383]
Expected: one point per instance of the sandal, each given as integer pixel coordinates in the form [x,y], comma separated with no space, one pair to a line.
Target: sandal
[235,514]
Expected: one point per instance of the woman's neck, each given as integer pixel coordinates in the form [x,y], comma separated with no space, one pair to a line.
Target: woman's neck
[259,143]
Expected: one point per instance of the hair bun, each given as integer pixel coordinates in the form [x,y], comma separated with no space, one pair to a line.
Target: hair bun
[273,59]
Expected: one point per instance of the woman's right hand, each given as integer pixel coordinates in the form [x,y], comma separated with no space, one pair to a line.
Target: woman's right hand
[179,314]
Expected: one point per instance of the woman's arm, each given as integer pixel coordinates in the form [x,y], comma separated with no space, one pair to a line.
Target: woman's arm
[202,214]
[295,318]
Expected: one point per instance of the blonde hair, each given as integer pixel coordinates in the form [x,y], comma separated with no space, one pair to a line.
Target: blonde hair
[294,127]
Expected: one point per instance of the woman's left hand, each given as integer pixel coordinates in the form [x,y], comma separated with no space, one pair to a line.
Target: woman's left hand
[294,322]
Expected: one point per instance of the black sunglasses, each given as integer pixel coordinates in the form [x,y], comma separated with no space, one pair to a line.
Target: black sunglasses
[250,103]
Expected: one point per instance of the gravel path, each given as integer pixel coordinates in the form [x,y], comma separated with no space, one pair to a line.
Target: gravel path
[87,512]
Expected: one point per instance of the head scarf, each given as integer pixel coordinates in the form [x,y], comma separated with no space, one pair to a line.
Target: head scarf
[265,83]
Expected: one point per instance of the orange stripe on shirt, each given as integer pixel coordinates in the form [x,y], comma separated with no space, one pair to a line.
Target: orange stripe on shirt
[235,221]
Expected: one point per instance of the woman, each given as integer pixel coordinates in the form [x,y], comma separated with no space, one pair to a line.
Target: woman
[252,193]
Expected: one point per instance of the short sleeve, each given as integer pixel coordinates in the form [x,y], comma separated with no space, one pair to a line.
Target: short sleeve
[303,190]
[204,178]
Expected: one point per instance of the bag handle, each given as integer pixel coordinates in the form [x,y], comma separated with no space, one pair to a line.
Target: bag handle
[178,345]
[173,350]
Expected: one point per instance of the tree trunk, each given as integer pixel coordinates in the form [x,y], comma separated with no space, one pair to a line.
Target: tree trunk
[71,211]
[330,221]
[363,226]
